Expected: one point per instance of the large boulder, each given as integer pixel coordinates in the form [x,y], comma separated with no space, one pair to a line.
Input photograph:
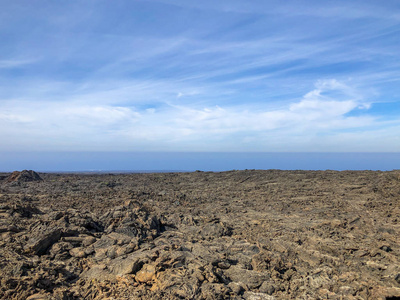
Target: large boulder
[41,239]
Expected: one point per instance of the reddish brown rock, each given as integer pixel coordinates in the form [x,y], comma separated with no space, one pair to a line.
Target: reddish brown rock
[24,176]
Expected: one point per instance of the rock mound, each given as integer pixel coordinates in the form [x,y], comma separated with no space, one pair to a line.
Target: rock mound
[24,176]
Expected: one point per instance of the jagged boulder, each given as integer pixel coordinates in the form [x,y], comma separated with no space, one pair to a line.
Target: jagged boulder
[24,176]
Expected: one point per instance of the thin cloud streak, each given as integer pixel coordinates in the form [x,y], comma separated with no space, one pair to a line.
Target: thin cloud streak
[15,63]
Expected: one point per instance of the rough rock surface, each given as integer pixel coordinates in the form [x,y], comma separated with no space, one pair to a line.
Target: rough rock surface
[232,235]
[23,176]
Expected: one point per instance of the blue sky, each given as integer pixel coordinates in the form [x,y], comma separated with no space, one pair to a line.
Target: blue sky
[264,76]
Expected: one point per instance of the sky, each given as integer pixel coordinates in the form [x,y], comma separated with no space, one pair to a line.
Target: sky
[200,76]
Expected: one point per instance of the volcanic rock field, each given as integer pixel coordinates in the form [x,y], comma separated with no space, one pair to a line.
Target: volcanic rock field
[248,234]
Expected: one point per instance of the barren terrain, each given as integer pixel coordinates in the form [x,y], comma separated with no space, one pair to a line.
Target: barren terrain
[202,235]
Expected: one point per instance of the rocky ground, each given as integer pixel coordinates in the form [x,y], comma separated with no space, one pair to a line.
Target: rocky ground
[231,235]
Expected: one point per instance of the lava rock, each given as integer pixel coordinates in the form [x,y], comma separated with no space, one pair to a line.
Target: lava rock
[24,176]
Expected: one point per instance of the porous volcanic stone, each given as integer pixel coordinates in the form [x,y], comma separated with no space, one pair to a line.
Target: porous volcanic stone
[24,176]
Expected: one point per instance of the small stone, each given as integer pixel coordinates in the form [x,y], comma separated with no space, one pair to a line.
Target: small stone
[9,228]
[88,241]
[236,288]
[346,290]
[223,265]
[61,250]
[74,240]
[386,248]
[78,252]
[252,279]
[146,274]
[112,253]
[198,274]
[257,296]
[397,278]
[267,288]
[129,265]
[89,250]
[38,296]
[55,215]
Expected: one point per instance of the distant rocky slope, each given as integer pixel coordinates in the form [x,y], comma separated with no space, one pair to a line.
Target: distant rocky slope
[232,235]
[24,176]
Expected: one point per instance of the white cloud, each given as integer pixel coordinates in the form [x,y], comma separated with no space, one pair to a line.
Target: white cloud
[104,115]
[15,63]
[322,114]
[14,118]
[313,112]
